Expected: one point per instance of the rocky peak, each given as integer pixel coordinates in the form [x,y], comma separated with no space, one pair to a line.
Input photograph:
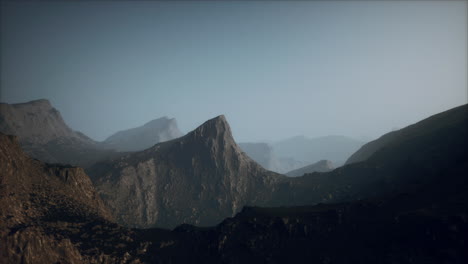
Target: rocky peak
[215,128]
[216,179]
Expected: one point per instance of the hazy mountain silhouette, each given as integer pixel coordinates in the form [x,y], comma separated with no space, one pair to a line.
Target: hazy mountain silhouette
[310,150]
[143,137]
[263,154]
[199,178]
[321,166]
[417,158]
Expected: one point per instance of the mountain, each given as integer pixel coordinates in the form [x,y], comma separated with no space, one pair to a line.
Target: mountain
[393,139]
[321,166]
[199,178]
[407,203]
[44,135]
[143,137]
[308,150]
[262,153]
[417,160]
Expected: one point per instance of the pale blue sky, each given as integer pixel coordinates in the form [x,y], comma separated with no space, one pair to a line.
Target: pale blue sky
[276,69]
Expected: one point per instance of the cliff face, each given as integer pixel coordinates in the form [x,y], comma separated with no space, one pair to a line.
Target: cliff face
[143,137]
[198,179]
[44,135]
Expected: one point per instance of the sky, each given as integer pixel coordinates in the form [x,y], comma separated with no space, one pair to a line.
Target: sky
[275,69]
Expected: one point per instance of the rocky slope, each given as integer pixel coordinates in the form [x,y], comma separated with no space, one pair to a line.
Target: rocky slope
[143,137]
[320,166]
[199,178]
[40,204]
[44,135]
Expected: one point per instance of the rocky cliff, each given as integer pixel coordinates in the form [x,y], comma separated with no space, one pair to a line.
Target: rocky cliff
[199,178]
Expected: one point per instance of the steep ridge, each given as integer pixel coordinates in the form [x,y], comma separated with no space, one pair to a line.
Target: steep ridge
[199,178]
[44,135]
[418,158]
[143,137]
[320,166]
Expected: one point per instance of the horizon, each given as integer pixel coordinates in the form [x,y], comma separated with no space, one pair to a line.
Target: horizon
[270,67]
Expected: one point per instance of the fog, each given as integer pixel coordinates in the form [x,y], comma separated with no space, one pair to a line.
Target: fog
[275,69]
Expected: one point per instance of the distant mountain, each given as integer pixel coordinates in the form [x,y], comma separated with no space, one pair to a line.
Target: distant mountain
[143,137]
[199,178]
[417,159]
[309,150]
[262,153]
[44,135]
[321,166]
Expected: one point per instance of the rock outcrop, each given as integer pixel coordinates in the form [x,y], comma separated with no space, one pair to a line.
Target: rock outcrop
[199,178]
[143,137]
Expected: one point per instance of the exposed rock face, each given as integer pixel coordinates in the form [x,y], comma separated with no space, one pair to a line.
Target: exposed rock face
[44,135]
[321,166]
[143,137]
[199,178]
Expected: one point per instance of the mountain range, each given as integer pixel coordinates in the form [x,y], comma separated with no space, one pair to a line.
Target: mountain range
[44,135]
[402,199]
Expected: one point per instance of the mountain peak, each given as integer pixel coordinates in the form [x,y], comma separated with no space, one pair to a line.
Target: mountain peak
[217,126]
